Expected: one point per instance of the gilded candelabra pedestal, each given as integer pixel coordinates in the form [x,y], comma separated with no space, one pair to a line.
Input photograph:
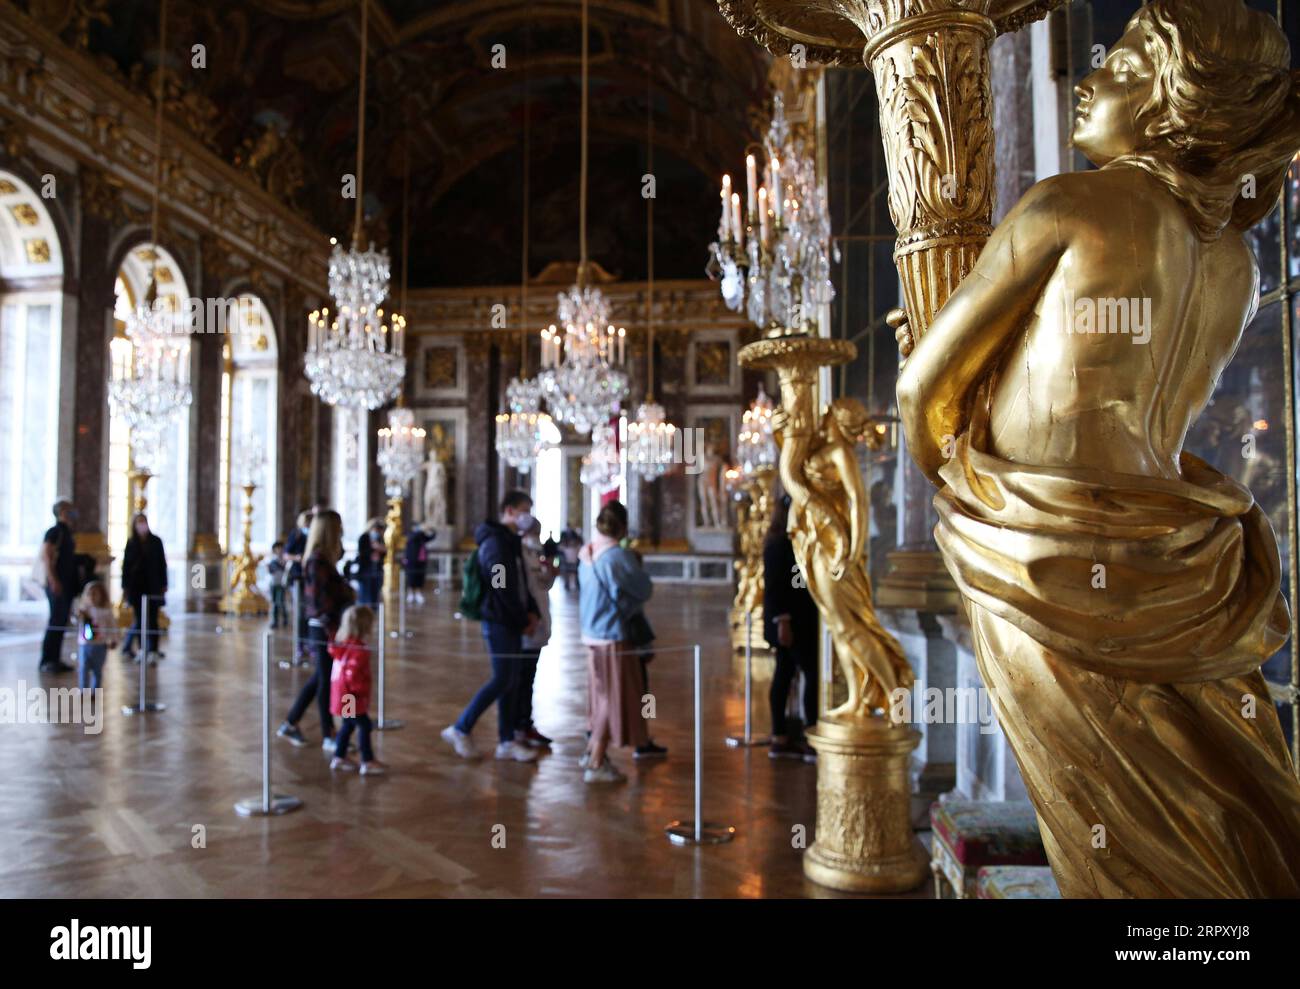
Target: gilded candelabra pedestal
[864,840]
[244,597]
[394,542]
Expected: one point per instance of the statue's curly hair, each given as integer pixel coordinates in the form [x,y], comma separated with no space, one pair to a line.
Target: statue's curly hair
[1225,106]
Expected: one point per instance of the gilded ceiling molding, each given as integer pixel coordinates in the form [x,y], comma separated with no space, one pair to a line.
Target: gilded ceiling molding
[51,92]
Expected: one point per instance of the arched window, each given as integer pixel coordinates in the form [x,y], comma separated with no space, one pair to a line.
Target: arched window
[31,338]
[249,413]
[168,492]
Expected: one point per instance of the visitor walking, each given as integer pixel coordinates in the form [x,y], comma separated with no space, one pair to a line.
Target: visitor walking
[613,588]
[508,613]
[144,583]
[540,575]
[790,622]
[294,545]
[325,595]
[58,556]
[277,570]
[350,689]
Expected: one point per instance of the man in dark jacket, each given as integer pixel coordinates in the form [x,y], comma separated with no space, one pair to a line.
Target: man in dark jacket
[58,553]
[509,613]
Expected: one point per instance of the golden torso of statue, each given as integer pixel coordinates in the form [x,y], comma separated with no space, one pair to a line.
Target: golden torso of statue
[1129,337]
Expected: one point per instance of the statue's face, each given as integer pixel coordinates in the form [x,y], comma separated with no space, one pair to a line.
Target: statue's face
[1110,99]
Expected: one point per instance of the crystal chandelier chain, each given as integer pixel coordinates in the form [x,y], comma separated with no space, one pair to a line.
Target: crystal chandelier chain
[149,361]
[354,358]
[651,437]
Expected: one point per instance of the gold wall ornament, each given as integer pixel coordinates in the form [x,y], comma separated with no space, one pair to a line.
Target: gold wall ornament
[244,597]
[864,836]
[1122,593]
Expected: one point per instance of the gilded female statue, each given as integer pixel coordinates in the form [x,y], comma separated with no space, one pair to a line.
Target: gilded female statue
[829,529]
[1122,592]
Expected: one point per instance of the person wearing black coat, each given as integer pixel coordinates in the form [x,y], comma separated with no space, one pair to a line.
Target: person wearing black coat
[370,563]
[790,622]
[416,562]
[144,579]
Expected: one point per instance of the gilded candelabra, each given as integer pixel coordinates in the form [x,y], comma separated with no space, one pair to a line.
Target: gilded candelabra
[244,597]
[864,835]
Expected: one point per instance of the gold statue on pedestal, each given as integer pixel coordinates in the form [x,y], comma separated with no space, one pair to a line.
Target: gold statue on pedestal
[244,597]
[394,544]
[753,516]
[864,836]
[1123,593]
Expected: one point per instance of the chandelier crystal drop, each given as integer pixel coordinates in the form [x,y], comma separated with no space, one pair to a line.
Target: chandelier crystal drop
[755,443]
[651,440]
[600,467]
[355,359]
[150,377]
[774,264]
[401,451]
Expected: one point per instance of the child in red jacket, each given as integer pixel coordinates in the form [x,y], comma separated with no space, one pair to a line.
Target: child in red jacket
[350,688]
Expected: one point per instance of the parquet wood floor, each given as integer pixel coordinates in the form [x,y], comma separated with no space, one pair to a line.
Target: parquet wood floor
[114,814]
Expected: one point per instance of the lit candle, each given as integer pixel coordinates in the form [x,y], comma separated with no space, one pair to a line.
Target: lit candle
[751,182]
[763,224]
[725,231]
[736,226]
[622,334]
[777,193]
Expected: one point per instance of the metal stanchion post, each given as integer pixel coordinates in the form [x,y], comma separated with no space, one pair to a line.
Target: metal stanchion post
[142,704]
[401,632]
[748,740]
[382,723]
[267,803]
[698,832]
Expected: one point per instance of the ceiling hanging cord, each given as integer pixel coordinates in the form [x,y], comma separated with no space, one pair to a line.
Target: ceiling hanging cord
[582,171]
[152,294]
[528,147]
[650,237]
[406,227]
[361,128]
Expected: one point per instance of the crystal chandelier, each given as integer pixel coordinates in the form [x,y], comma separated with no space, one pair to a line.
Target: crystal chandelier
[149,379]
[755,444]
[401,450]
[775,266]
[523,431]
[353,357]
[150,376]
[578,378]
[600,467]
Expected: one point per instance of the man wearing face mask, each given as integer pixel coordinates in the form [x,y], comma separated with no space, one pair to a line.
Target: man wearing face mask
[58,553]
[509,613]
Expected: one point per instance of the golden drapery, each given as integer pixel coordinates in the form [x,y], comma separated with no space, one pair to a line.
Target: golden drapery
[1119,623]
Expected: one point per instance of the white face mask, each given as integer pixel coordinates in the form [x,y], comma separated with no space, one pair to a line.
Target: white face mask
[523,522]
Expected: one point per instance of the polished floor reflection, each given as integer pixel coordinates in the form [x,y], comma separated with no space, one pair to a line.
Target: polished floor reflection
[120,813]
